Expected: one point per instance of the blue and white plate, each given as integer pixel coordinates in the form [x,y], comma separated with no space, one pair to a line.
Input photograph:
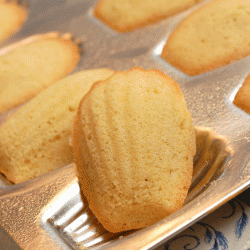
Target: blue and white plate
[227,228]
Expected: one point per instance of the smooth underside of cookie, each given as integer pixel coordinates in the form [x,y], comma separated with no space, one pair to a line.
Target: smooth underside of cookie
[12,17]
[134,144]
[242,98]
[28,69]
[211,37]
[35,139]
[124,16]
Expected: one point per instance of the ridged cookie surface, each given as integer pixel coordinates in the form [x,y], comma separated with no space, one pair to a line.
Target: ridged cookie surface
[28,69]
[134,144]
[211,37]
[35,139]
[124,16]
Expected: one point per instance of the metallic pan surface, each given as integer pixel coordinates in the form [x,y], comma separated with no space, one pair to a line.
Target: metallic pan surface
[49,212]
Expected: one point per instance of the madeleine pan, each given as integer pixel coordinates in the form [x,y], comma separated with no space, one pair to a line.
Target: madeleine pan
[49,212]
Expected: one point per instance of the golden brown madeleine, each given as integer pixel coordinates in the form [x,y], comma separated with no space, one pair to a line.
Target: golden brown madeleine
[35,139]
[242,98]
[12,17]
[124,16]
[134,144]
[211,37]
[29,68]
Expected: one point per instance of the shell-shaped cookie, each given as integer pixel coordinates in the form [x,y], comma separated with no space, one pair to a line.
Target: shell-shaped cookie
[134,144]
[31,65]
[12,17]
[213,36]
[35,139]
[242,98]
[125,16]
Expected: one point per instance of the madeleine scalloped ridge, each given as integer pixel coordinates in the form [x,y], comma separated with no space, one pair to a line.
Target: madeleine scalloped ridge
[131,132]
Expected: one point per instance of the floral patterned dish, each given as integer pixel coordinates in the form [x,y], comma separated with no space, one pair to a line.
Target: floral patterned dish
[225,229]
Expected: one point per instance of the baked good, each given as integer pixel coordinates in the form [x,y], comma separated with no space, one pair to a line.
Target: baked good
[124,16]
[134,143]
[35,139]
[211,37]
[242,98]
[12,17]
[29,68]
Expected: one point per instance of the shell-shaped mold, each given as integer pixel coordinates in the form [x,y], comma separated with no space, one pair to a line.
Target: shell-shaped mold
[71,218]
